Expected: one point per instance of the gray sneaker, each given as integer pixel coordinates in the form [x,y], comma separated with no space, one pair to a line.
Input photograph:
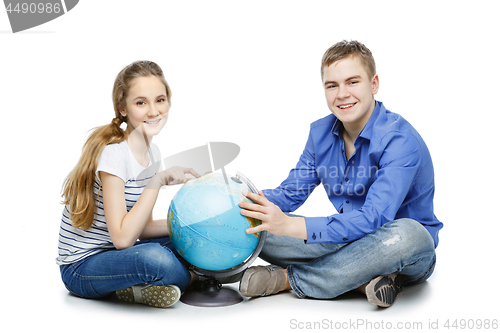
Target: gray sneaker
[384,289]
[157,296]
[262,281]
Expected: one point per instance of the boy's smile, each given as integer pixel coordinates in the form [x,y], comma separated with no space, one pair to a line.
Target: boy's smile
[349,93]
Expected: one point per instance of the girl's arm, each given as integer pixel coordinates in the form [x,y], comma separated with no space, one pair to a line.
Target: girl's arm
[125,228]
[154,229]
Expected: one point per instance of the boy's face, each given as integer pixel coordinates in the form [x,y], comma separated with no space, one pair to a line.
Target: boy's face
[349,92]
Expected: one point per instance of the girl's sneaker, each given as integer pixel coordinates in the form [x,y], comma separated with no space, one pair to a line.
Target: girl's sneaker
[157,296]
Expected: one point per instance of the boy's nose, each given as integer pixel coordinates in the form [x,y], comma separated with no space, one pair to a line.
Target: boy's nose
[343,91]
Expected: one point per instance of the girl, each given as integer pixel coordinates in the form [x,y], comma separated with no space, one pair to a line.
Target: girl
[109,201]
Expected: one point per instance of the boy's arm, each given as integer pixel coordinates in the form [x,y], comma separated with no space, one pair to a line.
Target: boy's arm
[398,167]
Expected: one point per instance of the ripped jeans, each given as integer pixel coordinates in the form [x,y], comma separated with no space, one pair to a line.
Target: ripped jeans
[325,271]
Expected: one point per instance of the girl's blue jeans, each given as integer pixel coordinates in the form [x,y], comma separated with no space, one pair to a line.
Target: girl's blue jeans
[327,270]
[153,261]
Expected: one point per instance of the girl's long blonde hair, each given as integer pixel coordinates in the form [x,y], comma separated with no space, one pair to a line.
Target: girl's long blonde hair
[78,188]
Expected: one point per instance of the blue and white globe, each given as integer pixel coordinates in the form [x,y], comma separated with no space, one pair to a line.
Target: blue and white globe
[206,226]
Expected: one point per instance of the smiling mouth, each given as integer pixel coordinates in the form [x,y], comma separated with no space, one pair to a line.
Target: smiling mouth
[346,106]
[152,122]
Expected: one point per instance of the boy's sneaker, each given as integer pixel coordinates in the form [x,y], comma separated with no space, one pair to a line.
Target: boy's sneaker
[157,296]
[262,281]
[384,289]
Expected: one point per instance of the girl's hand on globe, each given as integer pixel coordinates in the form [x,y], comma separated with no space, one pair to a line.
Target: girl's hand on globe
[273,219]
[176,175]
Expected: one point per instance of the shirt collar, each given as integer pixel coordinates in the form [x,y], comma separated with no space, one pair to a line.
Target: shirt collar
[367,131]
[337,127]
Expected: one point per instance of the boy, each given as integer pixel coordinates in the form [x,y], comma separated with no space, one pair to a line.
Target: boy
[378,174]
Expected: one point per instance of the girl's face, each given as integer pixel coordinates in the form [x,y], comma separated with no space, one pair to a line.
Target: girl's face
[146,105]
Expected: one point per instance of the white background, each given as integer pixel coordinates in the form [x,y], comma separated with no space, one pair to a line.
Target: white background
[248,72]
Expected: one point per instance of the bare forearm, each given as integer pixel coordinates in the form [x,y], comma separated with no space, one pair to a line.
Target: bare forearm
[126,227]
[296,228]
[155,229]
[135,221]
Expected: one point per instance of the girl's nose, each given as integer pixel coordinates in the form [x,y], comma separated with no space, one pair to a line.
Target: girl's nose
[153,112]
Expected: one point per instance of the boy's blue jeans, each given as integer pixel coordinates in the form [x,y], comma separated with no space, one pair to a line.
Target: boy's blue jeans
[327,270]
[153,261]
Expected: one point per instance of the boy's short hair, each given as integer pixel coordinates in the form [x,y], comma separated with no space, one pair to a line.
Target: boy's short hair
[345,49]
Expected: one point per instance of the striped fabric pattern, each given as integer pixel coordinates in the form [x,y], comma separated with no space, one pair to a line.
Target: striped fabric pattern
[76,244]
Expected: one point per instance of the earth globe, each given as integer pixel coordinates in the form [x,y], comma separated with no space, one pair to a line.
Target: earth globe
[208,231]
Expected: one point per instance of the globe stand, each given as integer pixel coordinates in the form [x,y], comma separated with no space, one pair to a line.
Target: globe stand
[210,293]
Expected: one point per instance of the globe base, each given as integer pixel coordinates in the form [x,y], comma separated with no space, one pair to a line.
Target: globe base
[210,293]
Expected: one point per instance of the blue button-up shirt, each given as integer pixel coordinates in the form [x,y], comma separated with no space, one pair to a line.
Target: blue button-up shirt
[389,176]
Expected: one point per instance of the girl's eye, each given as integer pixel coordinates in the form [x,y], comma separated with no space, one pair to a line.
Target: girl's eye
[161,100]
[140,103]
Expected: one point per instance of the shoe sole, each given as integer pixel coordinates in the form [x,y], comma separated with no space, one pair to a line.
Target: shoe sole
[383,291]
[155,296]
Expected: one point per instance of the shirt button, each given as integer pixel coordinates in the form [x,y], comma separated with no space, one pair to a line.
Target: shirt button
[347,179]
[347,201]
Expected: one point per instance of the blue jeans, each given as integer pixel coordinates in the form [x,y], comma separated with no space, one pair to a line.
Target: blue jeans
[152,261]
[325,271]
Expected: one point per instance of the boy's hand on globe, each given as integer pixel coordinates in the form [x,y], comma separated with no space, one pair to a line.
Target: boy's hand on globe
[273,219]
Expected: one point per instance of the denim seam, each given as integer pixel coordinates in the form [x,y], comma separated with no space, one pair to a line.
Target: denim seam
[75,273]
[425,275]
[291,280]
[165,244]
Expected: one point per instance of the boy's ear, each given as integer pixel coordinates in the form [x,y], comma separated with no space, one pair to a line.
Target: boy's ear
[375,84]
